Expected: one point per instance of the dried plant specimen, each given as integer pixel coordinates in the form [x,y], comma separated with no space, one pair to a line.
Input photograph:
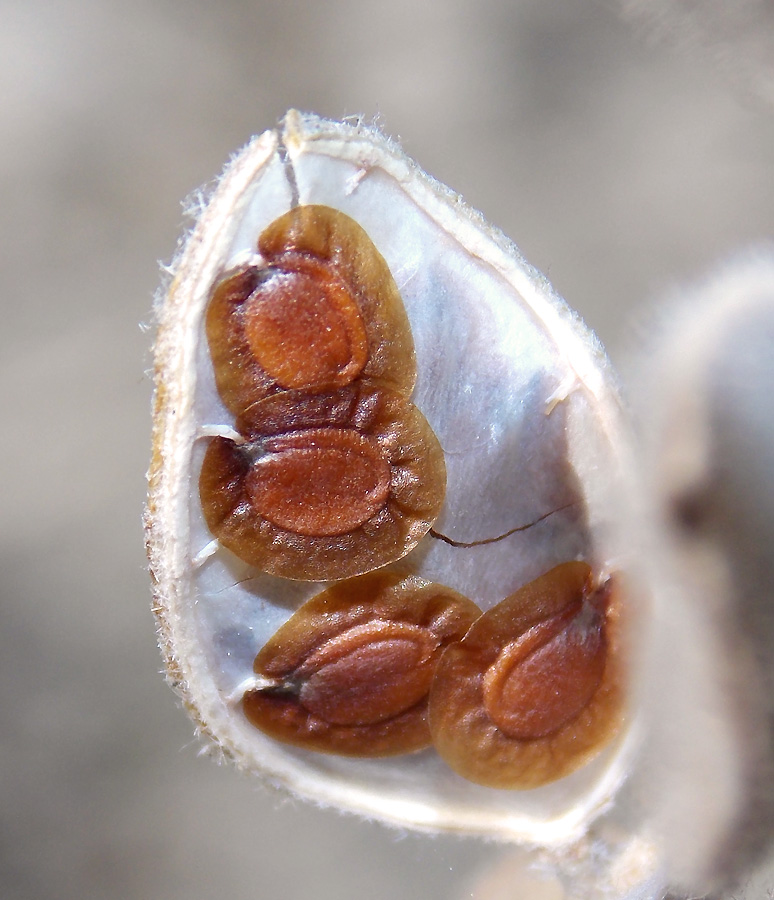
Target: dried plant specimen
[350,671]
[536,686]
[492,370]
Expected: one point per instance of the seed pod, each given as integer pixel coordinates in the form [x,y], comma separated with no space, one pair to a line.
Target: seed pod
[535,688]
[350,671]
[514,388]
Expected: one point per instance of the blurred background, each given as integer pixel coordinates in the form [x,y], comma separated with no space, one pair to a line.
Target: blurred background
[622,150]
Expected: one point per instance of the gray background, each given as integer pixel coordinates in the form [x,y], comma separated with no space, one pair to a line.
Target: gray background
[620,163]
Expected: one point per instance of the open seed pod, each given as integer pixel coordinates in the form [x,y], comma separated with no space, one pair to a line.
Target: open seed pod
[431,413]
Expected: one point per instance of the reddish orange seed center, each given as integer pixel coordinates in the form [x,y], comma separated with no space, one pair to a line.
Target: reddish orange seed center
[543,680]
[320,482]
[369,673]
[305,329]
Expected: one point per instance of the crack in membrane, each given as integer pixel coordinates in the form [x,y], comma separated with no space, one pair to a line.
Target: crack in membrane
[468,544]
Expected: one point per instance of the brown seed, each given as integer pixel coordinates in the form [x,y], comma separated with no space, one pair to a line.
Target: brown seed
[322,311]
[535,688]
[349,672]
[321,503]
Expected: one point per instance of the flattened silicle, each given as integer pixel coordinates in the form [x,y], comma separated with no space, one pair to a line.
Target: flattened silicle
[358,378]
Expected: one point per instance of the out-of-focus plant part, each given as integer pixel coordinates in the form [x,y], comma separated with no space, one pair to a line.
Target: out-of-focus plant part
[707,428]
